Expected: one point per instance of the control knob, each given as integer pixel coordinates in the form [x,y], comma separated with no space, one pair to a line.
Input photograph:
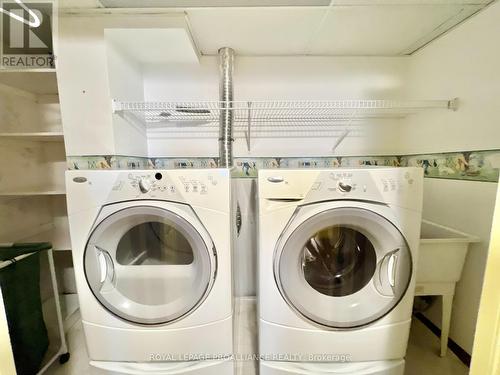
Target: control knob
[144,185]
[344,187]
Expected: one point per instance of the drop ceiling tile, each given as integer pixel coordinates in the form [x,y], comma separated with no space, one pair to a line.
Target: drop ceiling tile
[345,28]
[384,30]
[209,3]
[255,31]
[261,3]
[154,46]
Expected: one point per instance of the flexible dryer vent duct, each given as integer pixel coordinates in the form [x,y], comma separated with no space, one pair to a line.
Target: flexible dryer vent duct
[226,56]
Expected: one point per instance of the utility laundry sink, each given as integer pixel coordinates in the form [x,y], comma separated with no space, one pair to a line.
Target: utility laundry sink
[440,262]
[442,253]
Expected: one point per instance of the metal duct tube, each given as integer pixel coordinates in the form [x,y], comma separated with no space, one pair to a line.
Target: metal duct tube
[226,56]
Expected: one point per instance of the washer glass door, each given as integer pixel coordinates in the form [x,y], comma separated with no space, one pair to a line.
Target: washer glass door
[149,265]
[343,267]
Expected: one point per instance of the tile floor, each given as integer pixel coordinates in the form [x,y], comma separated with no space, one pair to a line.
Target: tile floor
[422,356]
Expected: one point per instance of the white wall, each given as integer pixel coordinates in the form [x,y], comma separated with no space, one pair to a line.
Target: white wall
[283,78]
[83,87]
[467,206]
[464,63]
[86,64]
[125,84]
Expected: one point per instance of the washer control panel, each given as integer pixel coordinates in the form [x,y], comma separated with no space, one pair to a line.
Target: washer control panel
[342,182]
[397,183]
[401,186]
[154,184]
[349,182]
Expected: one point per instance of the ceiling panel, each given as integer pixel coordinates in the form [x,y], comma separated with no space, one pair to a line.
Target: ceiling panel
[384,30]
[267,3]
[255,31]
[315,27]
[209,3]
[154,46]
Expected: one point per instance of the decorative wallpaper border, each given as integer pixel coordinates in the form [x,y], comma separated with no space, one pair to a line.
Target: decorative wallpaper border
[466,165]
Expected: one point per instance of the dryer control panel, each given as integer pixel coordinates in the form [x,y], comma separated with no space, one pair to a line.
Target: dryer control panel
[207,188]
[150,183]
[155,184]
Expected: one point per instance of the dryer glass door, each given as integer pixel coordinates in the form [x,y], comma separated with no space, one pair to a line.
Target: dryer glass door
[344,267]
[149,265]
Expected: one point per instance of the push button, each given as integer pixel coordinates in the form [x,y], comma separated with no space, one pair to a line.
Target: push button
[275,179]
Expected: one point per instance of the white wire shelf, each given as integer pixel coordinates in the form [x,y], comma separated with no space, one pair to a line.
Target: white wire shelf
[270,119]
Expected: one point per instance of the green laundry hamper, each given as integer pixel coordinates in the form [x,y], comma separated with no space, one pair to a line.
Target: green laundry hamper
[20,285]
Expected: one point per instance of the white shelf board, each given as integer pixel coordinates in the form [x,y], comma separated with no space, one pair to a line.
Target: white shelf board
[71,303]
[35,136]
[31,81]
[37,86]
[32,70]
[34,192]
[70,310]
[57,235]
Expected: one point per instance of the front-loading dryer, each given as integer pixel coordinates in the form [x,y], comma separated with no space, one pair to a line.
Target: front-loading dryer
[337,256]
[152,257]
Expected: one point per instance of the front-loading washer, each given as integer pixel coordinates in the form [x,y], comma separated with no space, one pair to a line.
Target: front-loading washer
[152,258]
[337,256]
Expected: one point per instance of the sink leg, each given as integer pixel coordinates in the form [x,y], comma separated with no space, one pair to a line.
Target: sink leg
[445,322]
